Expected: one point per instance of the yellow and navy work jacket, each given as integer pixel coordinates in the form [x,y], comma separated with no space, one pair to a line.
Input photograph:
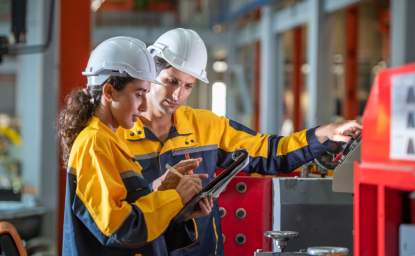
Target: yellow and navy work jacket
[110,208]
[200,133]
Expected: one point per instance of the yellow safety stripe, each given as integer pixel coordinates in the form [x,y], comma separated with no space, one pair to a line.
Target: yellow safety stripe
[216,234]
[194,223]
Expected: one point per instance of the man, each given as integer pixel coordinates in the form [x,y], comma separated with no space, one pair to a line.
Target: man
[169,133]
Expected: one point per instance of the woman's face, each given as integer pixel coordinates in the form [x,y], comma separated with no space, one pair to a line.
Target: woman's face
[127,104]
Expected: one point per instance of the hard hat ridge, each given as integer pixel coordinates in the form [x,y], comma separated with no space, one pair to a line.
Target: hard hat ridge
[120,56]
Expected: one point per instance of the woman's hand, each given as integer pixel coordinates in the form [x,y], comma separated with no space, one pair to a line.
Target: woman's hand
[339,131]
[170,180]
[206,206]
[189,186]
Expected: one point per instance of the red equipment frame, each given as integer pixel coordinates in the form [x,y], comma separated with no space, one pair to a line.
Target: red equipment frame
[379,180]
[257,202]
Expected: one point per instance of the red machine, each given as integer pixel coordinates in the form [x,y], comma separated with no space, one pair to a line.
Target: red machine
[386,174]
[246,214]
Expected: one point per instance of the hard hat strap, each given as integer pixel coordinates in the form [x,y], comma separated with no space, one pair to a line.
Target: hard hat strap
[178,61]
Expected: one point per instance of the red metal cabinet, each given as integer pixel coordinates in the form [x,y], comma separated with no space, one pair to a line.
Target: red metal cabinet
[257,203]
[380,182]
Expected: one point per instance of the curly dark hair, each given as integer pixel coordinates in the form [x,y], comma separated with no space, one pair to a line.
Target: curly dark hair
[78,110]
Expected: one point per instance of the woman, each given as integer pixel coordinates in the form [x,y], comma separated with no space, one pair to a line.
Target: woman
[110,208]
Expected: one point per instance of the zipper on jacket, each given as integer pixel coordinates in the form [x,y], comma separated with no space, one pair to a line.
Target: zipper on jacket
[162,145]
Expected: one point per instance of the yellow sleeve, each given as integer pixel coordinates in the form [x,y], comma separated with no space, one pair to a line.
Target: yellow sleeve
[101,205]
[269,154]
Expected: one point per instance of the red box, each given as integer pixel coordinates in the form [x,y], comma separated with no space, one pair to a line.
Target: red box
[257,203]
[380,182]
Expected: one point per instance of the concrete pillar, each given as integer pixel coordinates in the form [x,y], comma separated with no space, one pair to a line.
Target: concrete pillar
[48,190]
[30,86]
[37,93]
[403,32]
[280,83]
[231,47]
[271,90]
[320,104]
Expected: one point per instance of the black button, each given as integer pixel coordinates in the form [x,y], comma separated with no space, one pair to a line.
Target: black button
[186,143]
[240,213]
[240,239]
[241,187]
[222,212]
[132,134]
[193,141]
[139,132]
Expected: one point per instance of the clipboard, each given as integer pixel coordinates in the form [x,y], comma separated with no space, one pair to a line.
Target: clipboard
[217,185]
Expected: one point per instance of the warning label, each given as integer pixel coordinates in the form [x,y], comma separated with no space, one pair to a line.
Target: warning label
[403,117]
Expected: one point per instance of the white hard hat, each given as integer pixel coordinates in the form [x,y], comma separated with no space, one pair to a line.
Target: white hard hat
[184,50]
[119,56]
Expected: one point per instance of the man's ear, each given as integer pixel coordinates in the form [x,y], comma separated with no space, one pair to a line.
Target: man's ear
[108,92]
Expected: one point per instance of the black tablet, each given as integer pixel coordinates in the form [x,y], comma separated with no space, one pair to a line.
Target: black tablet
[225,176]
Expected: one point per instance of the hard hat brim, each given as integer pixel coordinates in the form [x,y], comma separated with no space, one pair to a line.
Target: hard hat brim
[187,71]
[99,79]
[154,81]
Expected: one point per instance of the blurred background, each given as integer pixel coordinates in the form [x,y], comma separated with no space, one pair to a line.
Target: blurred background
[276,66]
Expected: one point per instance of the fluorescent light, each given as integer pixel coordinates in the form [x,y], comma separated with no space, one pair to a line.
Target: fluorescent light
[220,66]
[219,98]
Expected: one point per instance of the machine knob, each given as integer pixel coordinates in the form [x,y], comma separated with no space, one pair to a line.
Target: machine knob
[281,237]
[240,213]
[222,212]
[327,251]
[241,187]
[240,239]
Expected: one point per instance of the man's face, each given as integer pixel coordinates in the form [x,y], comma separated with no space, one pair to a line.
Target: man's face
[178,87]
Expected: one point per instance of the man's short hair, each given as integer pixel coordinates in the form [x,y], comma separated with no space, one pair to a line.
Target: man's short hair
[161,64]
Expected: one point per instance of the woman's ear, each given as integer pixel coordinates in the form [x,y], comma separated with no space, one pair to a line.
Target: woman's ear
[108,92]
